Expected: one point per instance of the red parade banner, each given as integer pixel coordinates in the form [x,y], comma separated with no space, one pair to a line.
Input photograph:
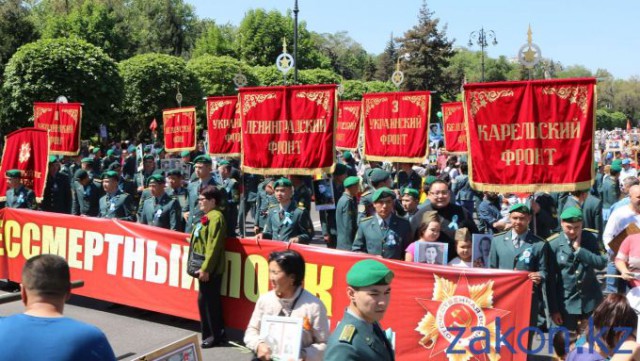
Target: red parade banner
[179,128]
[223,126]
[64,122]
[348,128]
[26,149]
[396,126]
[455,128]
[288,130]
[145,266]
[531,136]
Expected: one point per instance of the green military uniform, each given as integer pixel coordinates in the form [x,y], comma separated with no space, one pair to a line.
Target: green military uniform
[347,216]
[20,197]
[118,205]
[164,212]
[592,214]
[180,194]
[354,339]
[283,224]
[193,190]
[610,194]
[85,199]
[231,186]
[263,203]
[302,196]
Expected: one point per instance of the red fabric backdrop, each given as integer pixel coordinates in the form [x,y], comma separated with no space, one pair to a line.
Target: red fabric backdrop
[455,128]
[224,127]
[179,128]
[26,149]
[348,125]
[64,122]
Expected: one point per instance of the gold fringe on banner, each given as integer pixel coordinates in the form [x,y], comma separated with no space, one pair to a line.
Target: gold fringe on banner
[228,155]
[289,171]
[349,149]
[377,158]
[530,188]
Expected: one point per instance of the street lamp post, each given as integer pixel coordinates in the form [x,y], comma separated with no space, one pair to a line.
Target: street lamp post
[480,38]
[295,41]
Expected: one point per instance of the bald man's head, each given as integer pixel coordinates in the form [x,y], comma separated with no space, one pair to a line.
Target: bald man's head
[634,197]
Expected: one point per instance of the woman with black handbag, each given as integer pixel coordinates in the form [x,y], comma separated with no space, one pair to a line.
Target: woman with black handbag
[206,262]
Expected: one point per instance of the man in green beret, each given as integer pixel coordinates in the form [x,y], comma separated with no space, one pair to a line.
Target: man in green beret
[576,254]
[359,335]
[519,249]
[350,162]
[385,234]
[232,187]
[115,203]
[148,168]
[176,188]
[192,213]
[378,178]
[410,201]
[85,195]
[287,222]
[265,200]
[347,214]
[610,191]
[57,191]
[97,159]
[160,209]
[18,196]
[108,159]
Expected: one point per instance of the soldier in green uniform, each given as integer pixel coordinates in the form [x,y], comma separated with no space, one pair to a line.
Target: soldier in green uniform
[148,168]
[265,201]
[160,209]
[57,192]
[384,234]
[18,196]
[576,254]
[130,166]
[410,202]
[359,335]
[176,188]
[519,249]
[610,191]
[232,188]
[192,213]
[115,203]
[287,222]
[85,195]
[378,178]
[328,217]
[347,159]
[347,214]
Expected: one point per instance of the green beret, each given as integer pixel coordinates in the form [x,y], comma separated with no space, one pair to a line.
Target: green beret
[379,175]
[53,159]
[351,181]
[616,167]
[340,169]
[110,174]
[616,162]
[369,272]
[131,149]
[13,173]
[223,163]
[383,192]
[114,166]
[110,152]
[204,159]
[412,192]
[87,160]
[148,156]
[282,182]
[156,178]
[430,179]
[571,215]
[185,153]
[520,208]
[174,172]
[347,155]
[147,148]
[80,174]
[96,150]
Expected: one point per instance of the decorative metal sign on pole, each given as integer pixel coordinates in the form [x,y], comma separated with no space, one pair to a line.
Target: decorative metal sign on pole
[179,97]
[398,76]
[284,61]
[239,80]
[61,99]
[529,54]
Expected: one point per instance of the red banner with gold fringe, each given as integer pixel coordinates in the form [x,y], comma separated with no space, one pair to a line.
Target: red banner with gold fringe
[27,150]
[348,128]
[396,126]
[224,127]
[179,128]
[288,130]
[455,128]
[63,121]
[531,136]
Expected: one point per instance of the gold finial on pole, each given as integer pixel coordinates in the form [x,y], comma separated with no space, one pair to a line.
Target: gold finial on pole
[529,33]
[284,45]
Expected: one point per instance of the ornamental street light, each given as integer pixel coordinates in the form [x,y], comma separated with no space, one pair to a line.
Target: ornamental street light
[480,38]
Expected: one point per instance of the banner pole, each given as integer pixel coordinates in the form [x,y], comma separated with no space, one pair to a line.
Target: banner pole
[243,204]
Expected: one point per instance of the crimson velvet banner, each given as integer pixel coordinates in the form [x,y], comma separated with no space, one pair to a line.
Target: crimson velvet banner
[143,266]
[223,125]
[288,130]
[63,121]
[455,128]
[179,127]
[531,136]
[348,125]
[395,126]
[26,149]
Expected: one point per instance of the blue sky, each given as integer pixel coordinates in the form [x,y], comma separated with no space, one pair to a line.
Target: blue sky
[595,34]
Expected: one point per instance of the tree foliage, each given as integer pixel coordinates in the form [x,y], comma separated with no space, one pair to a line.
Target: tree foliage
[216,40]
[348,58]
[43,70]
[386,64]
[15,28]
[353,89]
[606,119]
[215,74]
[318,76]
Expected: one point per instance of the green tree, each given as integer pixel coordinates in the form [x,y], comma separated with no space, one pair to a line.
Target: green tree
[215,74]
[348,58]
[353,89]
[151,83]
[16,28]
[270,75]
[574,71]
[610,120]
[43,70]
[386,62]
[318,76]
[216,40]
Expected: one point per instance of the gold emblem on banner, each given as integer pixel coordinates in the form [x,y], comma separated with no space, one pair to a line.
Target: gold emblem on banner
[40,111]
[216,105]
[319,97]
[371,103]
[450,110]
[418,100]
[480,99]
[459,305]
[353,110]
[251,100]
[72,113]
[25,152]
[576,94]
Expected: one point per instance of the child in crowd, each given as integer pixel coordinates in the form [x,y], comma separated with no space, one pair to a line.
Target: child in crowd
[464,249]
[429,231]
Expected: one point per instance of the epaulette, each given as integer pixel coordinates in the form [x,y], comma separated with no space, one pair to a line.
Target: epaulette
[365,219]
[273,205]
[501,233]
[595,232]
[365,193]
[301,205]
[553,236]
[347,333]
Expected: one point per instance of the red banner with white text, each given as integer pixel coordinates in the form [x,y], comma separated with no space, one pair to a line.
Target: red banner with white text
[27,150]
[288,130]
[455,128]
[223,126]
[531,136]
[179,128]
[64,122]
[145,267]
[348,128]
[396,126]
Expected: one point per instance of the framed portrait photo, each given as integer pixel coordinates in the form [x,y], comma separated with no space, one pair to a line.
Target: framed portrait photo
[481,246]
[431,252]
[323,194]
[283,335]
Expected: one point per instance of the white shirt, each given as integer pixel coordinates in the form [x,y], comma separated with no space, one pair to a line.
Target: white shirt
[457,262]
[619,219]
[631,172]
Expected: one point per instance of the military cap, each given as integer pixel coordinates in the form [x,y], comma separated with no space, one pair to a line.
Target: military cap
[616,162]
[379,175]
[147,148]
[174,172]
[369,272]
[80,174]
[131,149]
[351,181]
[114,166]
[223,163]
[616,167]
[520,208]
[110,152]
[205,159]
[412,192]
[368,173]
[53,159]
[185,153]
[430,179]
[155,178]
[383,192]
[571,215]
[96,150]
[87,160]
[282,182]
[347,155]
[110,174]
[340,169]
[13,173]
